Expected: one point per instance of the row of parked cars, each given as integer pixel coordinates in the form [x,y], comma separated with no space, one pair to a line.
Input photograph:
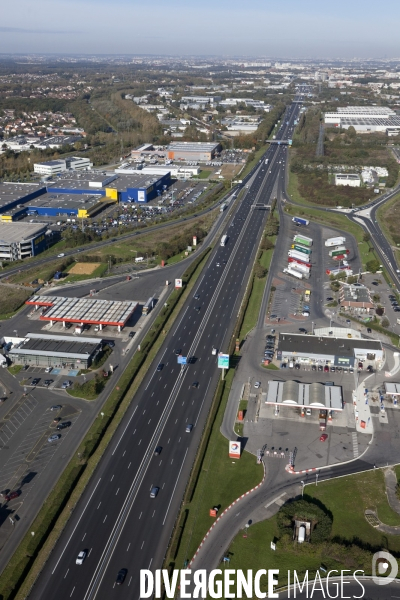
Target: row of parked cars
[269,349]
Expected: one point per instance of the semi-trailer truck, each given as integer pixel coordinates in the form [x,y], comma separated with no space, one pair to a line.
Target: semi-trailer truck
[302,239]
[346,270]
[302,267]
[299,256]
[337,251]
[300,221]
[335,241]
[302,249]
[224,239]
[291,271]
[299,262]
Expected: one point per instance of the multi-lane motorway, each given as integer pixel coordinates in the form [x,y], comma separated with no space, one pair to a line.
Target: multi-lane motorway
[116,521]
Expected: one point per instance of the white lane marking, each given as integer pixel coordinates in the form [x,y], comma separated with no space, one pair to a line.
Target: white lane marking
[140,514]
[129,465]
[141,547]
[105,519]
[176,483]
[117,491]
[123,433]
[129,545]
[98,506]
[72,591]
[66,574]
[83,537]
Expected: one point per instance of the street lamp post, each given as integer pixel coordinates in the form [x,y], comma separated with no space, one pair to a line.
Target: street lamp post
[302,488]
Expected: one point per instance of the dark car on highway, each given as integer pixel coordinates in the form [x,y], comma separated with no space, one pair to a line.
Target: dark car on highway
[12,495]
[121,576]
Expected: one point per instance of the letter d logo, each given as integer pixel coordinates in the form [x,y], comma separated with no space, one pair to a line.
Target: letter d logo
[381,562]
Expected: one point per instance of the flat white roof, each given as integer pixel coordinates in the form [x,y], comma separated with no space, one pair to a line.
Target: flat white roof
[84,310]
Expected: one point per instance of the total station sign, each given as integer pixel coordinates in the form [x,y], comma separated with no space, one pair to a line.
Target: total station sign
[234,449]
[223,361]
[178,283]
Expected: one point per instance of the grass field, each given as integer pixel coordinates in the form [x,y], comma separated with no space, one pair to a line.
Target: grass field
[12,298]
[220,482]
[388,216]
[346,498]
[253,308]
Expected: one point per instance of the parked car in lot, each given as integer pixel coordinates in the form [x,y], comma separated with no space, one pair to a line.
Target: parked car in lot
[64,425]
[323,437]
[66,384]
[257,385]
[35,381]
[48,382]
[12,495]
[56,407]
[320,368]
[326,369]
[313,367]
[308,412]
[53,438]
[48,369]
[370,369]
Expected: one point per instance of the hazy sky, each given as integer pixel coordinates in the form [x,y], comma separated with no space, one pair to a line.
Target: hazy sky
[298,28]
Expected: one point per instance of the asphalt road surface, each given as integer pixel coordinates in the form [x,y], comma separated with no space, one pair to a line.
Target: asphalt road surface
[116,521]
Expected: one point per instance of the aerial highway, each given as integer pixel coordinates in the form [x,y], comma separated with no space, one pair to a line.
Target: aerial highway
[116,522]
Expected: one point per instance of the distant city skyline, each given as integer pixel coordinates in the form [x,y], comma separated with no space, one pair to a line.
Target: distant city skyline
[293,29]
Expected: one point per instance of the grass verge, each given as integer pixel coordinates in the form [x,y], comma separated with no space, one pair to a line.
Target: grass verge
[219,482]
[352,541]
[14,369]
[32,553]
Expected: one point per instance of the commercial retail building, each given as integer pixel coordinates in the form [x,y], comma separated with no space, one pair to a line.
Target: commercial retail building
[201,151]
[44,350]
[22,240]
[328,350]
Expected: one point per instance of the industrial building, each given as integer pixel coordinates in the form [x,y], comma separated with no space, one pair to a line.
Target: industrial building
[200,151]
[176,172]
[83,311]
[365,119]
[22,240]
[329,350]
[315,395]
[42,350]
[53,167]
[80,194]
[350,179]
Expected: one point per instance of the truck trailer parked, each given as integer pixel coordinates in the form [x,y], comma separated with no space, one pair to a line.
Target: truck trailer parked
[338,250]
[295,261]
[294,272]
[301,248]
[302,239]
[338,270]
[299,256]
[335,241]
[300,221]
[303,268]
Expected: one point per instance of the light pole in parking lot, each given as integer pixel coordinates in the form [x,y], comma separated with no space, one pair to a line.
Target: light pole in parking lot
[312,327]
[302,488]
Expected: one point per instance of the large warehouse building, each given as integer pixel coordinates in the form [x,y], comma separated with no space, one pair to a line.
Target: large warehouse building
[200,151]
[365,119]
[42,350]
[22,240]
[327,350]
[80,194]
